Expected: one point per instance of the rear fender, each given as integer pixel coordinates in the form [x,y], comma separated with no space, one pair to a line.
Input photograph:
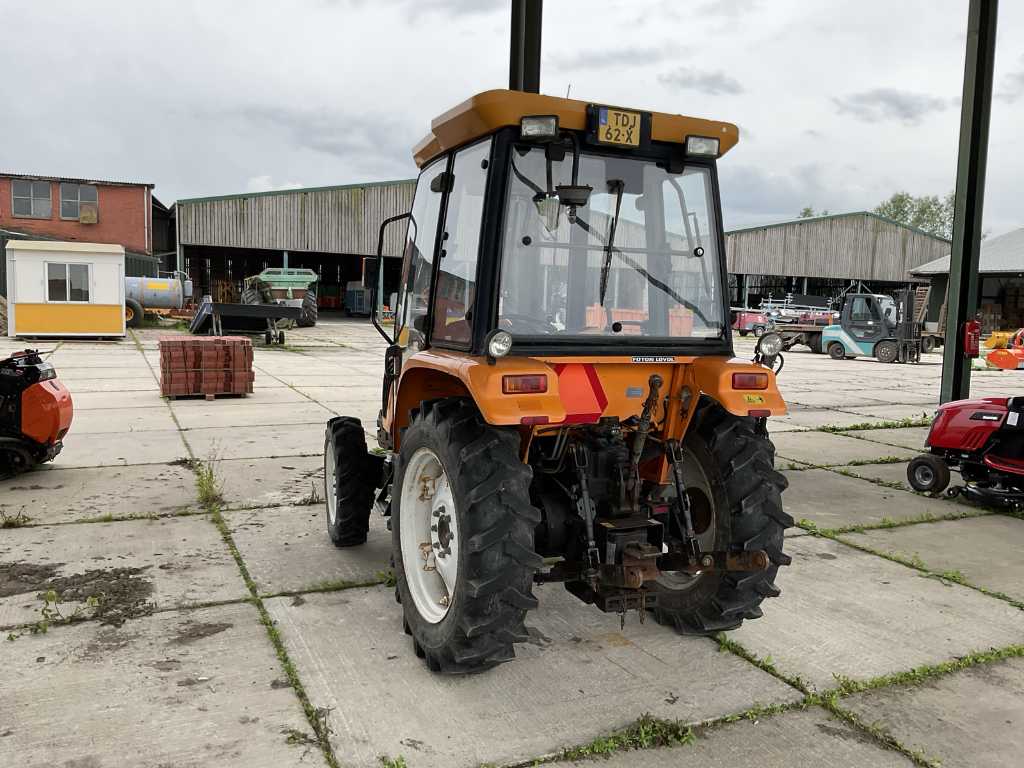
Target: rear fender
[714,378]
[434,374]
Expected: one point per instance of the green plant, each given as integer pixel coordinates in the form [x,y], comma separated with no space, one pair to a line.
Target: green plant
[392,762]
[207,482]
[313,497]
[17,520]
[647,732]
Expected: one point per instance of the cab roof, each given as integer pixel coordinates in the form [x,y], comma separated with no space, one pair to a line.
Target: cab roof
[486,112]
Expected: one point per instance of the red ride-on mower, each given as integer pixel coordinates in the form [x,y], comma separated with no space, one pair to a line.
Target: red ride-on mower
[35,412]
[982,439]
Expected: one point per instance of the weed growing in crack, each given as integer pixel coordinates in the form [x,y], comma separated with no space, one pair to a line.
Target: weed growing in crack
[924,420]
[392,762]
[17,520]
[313,497]
[208,484]
[50,613]
[647,732]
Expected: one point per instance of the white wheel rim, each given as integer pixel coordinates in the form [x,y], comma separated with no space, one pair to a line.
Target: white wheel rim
[696,478]
[429,535]
[330,484]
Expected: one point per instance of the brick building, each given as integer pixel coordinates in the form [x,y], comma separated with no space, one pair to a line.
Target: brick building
[86,210]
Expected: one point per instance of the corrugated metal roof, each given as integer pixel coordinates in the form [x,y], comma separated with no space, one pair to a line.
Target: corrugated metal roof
[106,182]
[998,254]
[830,216]
[295,191]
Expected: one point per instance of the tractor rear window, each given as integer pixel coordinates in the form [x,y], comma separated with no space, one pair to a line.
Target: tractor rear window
[640,259]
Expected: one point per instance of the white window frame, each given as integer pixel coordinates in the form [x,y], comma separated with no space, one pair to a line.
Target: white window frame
[67,281]
[32,199]
[77,200]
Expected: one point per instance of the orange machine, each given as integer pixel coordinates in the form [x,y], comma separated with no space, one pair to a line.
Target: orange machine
[35,412]
[561,401]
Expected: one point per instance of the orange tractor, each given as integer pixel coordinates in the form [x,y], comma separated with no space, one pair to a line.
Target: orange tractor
[560,396]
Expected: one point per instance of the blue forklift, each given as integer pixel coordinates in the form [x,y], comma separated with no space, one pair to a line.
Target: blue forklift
[875,325]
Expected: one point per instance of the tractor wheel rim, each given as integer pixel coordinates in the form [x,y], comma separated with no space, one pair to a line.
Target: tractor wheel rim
[129,314]
[699,488]
[429,535]
[330,484]
[924,475]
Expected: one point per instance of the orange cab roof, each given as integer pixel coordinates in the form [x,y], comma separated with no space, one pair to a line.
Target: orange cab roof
[488,111]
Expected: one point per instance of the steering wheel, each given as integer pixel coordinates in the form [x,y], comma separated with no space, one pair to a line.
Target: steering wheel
[541,326]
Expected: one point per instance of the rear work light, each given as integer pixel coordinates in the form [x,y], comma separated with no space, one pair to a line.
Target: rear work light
[539,127]
[701,146]
[750,381]
[524,384]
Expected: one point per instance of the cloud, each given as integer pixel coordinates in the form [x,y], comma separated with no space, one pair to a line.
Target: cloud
[729,8]
[613,58]
[712,83]
[266,184]
[881,104]
[1012,86]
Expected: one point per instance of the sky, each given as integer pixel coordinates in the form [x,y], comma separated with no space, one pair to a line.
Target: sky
[839,103]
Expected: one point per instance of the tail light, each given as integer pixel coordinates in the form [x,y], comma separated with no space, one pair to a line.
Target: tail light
[524,384]
[972,338]
[750,381]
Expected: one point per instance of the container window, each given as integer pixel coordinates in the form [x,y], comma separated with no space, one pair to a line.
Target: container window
[73,196]
[31,199]
[67,282]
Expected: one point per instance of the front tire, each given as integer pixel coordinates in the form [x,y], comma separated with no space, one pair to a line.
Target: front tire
[462,491]
[836,351]
[132,313]
[738,464]
[351,474]
[886,351]
[928,473]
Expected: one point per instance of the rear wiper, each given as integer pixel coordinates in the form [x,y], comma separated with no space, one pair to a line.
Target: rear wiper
[617,186]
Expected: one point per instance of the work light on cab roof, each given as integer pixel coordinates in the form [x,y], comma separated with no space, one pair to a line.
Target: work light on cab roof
[562,401]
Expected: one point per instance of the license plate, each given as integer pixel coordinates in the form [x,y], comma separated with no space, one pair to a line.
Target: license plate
[618,126]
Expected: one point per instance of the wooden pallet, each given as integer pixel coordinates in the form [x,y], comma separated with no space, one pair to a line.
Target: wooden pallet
[207,395]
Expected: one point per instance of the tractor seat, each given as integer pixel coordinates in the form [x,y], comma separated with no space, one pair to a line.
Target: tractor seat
[1004,464]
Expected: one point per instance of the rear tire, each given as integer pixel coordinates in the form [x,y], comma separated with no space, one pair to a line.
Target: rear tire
[928,473]
[928,344]
[132,313]
[471,627]
[309,311]
[815,343]
[836,351]
[351,474]
[744,333]
[886,351]
[739,465]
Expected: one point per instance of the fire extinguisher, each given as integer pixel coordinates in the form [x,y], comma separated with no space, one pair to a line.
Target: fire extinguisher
[972,338]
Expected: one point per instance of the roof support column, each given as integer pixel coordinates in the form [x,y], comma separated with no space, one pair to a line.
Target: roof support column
[524,49]
[975,111]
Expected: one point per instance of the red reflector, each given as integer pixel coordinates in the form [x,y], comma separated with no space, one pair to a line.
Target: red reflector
[533,420]
[750,381]
[759,413]
[524,384]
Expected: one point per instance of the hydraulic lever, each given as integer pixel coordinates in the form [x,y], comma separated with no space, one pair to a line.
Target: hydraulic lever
[587,511]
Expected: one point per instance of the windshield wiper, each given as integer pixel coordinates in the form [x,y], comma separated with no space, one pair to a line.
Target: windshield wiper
[618,186]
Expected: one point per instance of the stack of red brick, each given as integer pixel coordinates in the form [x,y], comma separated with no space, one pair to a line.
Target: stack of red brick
[205,365]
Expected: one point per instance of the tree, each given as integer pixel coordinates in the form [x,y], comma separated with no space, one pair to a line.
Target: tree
[808,213]
[929,213]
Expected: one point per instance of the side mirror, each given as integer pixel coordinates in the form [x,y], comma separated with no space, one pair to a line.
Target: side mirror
[371,272]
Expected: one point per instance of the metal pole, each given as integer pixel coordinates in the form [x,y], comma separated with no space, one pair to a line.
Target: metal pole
[975,111]
[284,259]
[524,46]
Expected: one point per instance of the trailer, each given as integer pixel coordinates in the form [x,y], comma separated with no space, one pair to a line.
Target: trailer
[213,317]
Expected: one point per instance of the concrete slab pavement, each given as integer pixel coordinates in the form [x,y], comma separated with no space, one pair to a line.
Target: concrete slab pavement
[827,449]
[287,549]
[238,412]
[974,718]
[284,481]
[167,563]
[831,500]
[197,688]
[905,437]
[847,612]
[51,495]
[886,473]
[121,420]
[810,737]
[120,449]
[351,652]
[256,442]
[986,550]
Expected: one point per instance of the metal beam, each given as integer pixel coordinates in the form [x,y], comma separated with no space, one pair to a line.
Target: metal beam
[975,111]
[524,47]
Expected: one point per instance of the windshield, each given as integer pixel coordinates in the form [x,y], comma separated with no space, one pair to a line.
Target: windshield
[640,259]
[888,307]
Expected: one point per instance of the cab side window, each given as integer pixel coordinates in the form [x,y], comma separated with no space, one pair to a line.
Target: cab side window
[860,311]
[460,245]
[418,262]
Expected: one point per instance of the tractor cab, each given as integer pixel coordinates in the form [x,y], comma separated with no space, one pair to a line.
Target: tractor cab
[559,382]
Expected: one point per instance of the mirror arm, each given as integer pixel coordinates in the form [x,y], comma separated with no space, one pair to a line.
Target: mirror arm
[380,273]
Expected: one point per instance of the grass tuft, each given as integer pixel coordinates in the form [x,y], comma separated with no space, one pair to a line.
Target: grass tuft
[18,520]
[646,733]
[924,420]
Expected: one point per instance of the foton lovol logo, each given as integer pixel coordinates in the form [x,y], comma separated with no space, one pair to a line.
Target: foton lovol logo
[653,359]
